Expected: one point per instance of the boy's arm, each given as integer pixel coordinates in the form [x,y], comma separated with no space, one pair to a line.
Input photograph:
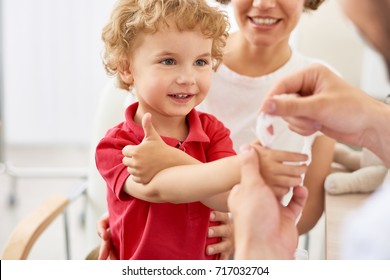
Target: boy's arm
[217,202]
[152,155]
[200,182]
[189,183]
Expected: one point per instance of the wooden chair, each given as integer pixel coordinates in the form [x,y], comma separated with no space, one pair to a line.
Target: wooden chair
[29,230]
[31,227]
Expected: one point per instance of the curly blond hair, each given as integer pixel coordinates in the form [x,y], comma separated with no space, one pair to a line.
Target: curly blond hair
[132,17]
[309,4]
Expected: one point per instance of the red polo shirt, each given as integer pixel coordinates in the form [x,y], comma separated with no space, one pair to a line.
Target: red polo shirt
[144,230]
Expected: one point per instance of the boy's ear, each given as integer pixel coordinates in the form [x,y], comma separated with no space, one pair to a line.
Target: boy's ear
[125,72]
[126,76]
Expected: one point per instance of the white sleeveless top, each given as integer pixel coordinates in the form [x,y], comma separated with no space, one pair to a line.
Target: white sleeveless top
[235,99]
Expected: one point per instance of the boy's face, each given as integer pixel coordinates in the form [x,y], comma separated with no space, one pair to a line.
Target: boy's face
[267,23]
[171,71]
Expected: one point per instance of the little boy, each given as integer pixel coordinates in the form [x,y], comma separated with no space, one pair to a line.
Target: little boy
[165,51]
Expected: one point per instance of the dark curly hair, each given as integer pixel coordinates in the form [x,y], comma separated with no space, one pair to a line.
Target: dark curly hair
[309,4]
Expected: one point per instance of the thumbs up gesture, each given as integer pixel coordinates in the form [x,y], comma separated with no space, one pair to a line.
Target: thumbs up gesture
[150,132]
[152,155]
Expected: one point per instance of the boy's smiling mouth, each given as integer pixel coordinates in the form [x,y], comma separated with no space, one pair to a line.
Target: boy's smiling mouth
[181,96]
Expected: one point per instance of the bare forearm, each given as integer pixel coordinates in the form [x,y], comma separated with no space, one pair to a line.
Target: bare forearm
[178,157]
[197,182]
[217,202]
[322,156]
[310,216]
[188,183]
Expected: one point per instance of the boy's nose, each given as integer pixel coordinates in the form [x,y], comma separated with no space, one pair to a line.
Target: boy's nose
[186,77]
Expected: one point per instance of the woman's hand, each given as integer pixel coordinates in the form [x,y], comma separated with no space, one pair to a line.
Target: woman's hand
[103,228]
[225,231]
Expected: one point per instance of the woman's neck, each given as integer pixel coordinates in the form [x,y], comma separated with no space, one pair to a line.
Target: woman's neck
[254,61]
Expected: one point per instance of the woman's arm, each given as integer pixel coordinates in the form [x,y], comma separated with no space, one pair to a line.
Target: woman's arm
[319,168]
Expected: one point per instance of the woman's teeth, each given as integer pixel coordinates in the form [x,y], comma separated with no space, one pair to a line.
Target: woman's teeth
[264,21]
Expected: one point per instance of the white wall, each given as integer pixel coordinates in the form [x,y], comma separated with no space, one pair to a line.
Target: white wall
[53,72]
[375,79]
[329,35]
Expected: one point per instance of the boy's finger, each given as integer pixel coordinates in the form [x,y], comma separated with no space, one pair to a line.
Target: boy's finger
[149,130]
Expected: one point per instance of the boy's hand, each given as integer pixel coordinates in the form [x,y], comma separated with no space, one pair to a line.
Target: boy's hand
[145,160]
[280,169]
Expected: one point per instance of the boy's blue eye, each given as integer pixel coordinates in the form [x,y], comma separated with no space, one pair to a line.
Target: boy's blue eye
[200,62]
[168,61]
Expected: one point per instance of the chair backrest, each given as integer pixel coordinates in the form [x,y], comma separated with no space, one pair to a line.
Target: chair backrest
[30,228]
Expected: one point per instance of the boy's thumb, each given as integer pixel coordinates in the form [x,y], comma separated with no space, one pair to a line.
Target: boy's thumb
[149,130]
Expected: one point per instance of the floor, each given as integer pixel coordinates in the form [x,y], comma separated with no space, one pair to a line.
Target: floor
[31,192]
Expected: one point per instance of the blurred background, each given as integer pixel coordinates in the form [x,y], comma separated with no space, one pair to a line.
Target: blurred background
[51,80]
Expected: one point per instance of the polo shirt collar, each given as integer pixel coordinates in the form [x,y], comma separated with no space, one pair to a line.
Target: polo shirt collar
[196,132]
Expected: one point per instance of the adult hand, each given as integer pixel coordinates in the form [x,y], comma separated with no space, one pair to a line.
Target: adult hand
[225,231]
[103,228]
[265,228]
[328,104]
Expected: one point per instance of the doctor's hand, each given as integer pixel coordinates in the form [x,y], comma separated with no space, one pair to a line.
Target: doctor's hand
[330,105]
[266,228]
